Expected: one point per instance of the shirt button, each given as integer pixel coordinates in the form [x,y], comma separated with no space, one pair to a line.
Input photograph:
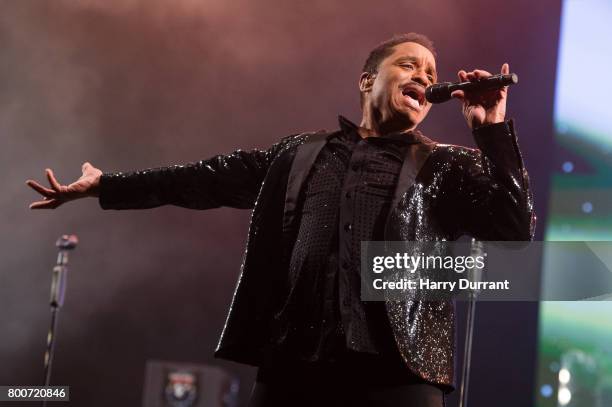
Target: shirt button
[348,227]
[348,195]
[355,167]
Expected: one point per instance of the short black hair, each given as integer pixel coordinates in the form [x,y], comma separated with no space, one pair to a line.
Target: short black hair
[385,48]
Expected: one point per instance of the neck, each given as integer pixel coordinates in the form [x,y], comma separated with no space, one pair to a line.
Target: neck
[373,124]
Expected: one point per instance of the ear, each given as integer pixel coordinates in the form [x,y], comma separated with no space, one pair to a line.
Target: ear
[366,80]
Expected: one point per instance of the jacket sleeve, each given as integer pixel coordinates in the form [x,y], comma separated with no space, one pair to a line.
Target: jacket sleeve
[494,191]
[230,180]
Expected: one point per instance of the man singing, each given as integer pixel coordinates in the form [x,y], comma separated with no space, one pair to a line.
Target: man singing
[296,312]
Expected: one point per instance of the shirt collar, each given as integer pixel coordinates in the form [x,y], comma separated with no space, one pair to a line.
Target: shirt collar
[409,137]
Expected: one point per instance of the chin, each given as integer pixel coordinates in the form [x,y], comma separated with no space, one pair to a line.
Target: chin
[411,118]
[407,115]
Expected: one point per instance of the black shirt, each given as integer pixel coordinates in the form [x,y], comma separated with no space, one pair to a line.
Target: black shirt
[345,200]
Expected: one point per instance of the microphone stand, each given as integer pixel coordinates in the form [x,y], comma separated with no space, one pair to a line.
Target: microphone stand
[477,249]
[58,291]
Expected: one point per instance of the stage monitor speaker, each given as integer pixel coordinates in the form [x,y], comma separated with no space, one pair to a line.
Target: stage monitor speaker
[171,384]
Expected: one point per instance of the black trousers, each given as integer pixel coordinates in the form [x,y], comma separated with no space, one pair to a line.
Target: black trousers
[363,381]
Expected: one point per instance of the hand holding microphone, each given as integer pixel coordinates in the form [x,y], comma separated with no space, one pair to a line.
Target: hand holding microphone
[483,95]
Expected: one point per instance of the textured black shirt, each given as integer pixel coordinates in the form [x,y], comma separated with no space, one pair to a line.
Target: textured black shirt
[346,199]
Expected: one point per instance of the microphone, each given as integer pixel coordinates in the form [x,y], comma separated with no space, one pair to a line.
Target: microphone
[65,243]
[441,92]
[58,281]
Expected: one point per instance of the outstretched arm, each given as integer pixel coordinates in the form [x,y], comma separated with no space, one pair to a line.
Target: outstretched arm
[230,180]
[224,180]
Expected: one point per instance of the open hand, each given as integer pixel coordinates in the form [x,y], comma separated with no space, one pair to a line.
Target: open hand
[87,185]
[483,107]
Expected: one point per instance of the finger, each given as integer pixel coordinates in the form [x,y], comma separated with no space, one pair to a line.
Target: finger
[52,180]
[479,73]
[471,76]
[46,204]
[39,188]
[462,75]
[458,94]
[86,165]
[505,69]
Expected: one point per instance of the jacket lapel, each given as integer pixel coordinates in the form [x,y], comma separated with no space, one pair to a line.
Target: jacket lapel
[416,155]
[302,163]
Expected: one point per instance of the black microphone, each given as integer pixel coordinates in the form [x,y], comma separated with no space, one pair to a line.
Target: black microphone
[441,92]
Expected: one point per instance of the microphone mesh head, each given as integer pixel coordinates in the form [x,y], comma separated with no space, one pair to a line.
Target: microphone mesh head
[438,93]
[67,242]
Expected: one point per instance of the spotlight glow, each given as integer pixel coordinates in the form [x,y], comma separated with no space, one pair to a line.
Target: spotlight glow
[564,396]
[564,376]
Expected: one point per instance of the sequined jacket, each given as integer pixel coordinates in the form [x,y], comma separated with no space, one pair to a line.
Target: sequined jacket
[443,192]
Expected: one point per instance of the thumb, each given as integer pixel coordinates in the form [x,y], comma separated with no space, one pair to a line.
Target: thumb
[86,167]
[505,69]
[458,94]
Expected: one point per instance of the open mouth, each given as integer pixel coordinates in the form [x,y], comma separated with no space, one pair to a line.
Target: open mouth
[414,96]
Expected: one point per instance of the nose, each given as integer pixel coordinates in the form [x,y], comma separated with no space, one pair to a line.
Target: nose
[420,77]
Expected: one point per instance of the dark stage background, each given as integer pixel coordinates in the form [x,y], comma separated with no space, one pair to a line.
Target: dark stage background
[136,84]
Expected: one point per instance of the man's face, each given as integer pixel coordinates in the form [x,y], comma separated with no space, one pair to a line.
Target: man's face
[397,93]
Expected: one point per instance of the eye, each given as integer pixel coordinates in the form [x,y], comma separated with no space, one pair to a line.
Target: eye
[410,66]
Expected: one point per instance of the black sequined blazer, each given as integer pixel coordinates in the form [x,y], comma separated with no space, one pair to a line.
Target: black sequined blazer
[443,192]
